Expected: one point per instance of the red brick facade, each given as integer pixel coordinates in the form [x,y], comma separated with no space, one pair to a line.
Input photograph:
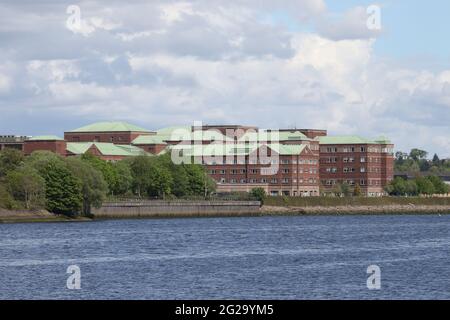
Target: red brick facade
[371,166]
[58,146]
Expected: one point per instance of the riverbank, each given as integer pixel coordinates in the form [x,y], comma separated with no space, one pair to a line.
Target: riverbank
[356,210]
[24,216]
[195,209]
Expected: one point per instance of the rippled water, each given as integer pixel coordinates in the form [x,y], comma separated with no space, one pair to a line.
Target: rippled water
[229,258]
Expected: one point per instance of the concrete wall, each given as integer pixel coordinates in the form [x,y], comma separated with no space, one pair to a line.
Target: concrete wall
[160,208]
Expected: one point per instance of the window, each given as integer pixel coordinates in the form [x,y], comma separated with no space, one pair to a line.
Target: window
[213,172]
[223,171]
[285,181]
[254,171]
[222,180]
[284,161]
[274,181]
[243,181]
[263,180]
[363,169]
[363,149]
[285,170]
[233,181]
[363,159]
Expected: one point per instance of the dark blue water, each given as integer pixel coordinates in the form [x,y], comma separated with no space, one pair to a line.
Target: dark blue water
[229,258]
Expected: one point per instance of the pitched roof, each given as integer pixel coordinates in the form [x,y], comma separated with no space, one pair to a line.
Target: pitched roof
[344,140]
[46,138]
[273,136]
[223,149]
[117,126]
[106,149]
[149,139]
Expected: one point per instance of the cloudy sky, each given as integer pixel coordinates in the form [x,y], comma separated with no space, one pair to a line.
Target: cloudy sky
[302,63]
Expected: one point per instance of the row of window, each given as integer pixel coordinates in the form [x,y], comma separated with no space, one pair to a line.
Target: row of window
[350,182]
[350,160]
[261,161]
[356,149]
[265,171]
[272,181]
[352,170]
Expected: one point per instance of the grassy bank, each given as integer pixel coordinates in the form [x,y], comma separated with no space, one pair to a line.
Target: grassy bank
[16,216]
[353,201]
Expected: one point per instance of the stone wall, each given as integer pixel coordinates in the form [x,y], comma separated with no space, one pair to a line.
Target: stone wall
[161,208]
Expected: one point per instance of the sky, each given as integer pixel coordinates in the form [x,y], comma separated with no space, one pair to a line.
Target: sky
[273,64]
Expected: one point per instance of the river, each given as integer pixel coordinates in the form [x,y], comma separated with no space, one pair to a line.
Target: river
[320,257]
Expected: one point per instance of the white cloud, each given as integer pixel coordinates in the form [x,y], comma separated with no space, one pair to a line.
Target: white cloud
[166,62]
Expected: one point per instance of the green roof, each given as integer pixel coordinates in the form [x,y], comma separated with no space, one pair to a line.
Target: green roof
[273,136]
[110,127]
[352,140]
[344,140]
[236,150]
[149,139]
[106,149]
[46,138]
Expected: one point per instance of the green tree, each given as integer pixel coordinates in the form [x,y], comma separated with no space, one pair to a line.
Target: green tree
[26,185]
[124,178]
[6,200]
[93,186]
[417,154]
[10,159]
[425,186]
[140,167]
[63,189]
[259,194]
[159,180]
[439,185]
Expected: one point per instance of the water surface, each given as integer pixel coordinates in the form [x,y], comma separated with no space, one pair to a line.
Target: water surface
[229,258]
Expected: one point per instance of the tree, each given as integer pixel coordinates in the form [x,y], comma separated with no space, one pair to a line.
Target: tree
[425,186]
[26,185]
[107,170]
[159,180]
[357,192]
[140,167]
[93,186]
[436,159]
[124,178]
[259,194]
[439,185]
[63,189]
[10,159]
[417,154]
[6,200]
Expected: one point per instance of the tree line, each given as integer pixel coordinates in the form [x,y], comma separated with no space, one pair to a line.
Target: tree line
[74,185]
[416,161]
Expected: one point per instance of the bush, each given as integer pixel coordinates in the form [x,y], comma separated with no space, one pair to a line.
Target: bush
[259,194]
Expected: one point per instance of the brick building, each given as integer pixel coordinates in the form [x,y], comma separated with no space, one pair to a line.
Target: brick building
[356,161]
[295,162]
[107,132]
[48,143]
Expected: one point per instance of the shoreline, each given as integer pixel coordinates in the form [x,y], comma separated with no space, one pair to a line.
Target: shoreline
[7,216]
